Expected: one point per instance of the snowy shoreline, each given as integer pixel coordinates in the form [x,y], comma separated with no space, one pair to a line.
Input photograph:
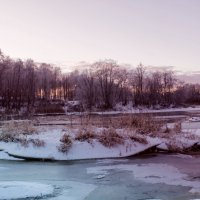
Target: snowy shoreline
[43,143]
[85,150]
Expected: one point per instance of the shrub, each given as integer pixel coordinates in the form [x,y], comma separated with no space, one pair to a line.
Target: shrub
[66,143]
[110,138]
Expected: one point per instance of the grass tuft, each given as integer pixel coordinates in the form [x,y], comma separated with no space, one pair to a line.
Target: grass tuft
[110,138]
[66,143]
[85,134]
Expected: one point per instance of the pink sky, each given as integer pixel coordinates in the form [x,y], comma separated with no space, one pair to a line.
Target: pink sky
[154,32]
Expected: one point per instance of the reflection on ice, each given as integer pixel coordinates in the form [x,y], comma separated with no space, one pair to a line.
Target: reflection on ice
[152,173]
[75,191]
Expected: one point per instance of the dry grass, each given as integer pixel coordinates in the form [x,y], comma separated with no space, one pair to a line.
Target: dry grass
[85,134]
[66,143]
[177,127]
[19,127]
[134,136]
[138,138]
[17,131]
[143,124]
[190,136]
[168,133]
[37,142]
[175,146]
[110,138]
[11,137]
[146,124]
[167,130]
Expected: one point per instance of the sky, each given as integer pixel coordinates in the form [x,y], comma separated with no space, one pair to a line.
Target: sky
[65,32]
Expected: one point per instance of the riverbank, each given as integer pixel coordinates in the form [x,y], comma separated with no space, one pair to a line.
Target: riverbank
[23,140]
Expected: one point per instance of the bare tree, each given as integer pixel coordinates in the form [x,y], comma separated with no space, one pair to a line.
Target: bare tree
[168,85]
[138,84]
[106,75]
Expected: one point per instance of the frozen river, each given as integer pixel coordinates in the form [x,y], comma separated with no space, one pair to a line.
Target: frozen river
[160,177]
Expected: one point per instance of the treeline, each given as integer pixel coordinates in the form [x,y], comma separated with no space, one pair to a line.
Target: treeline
[100,85]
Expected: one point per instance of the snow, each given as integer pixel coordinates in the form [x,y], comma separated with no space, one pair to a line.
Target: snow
[76,191]
[3,168]
[191,125]
[131,110]
[5,156]
[179,155]
[163,146]
[146,110]
[152,173]
[194,119]
[79,150]
[18,189]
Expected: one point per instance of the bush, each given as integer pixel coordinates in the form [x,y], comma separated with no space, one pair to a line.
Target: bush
[66,143]
[110,138]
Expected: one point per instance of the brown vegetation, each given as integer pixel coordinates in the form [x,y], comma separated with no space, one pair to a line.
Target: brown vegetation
[85,134]
[17,131]
[138,138]
[110,138]
[66,143]
[143,123]
[19,127]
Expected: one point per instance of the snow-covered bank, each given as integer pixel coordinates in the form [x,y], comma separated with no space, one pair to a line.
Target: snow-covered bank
[5,156]
[47,143]
[79,150]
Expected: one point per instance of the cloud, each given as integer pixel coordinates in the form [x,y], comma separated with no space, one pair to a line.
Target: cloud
[190,77]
